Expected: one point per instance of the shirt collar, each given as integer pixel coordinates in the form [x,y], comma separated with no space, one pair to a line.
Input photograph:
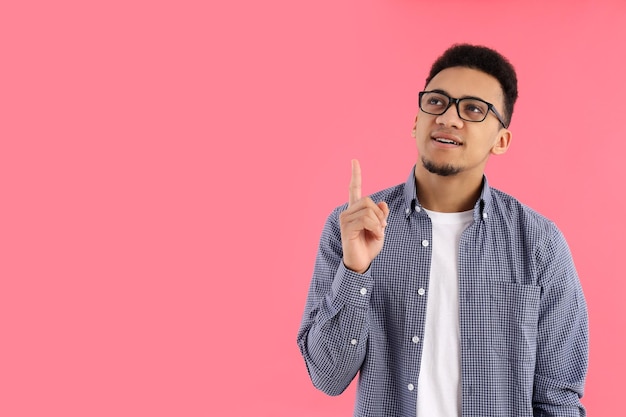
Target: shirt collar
[481,208]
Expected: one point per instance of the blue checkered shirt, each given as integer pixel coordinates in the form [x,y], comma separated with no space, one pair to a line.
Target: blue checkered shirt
[523,316]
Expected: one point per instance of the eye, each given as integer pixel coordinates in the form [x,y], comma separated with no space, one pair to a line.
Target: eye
[474,107]
[436,100]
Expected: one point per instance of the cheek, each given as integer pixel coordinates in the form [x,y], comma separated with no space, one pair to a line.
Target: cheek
[423,128]
[421,137]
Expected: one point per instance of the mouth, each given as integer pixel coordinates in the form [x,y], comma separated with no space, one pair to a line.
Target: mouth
[446,139]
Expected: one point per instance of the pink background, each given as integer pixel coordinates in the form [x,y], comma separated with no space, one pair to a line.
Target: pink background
[166,168]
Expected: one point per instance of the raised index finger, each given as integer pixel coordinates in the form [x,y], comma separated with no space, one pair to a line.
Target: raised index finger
[355,183]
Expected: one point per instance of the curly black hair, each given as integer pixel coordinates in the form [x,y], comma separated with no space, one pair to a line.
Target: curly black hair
[483,59]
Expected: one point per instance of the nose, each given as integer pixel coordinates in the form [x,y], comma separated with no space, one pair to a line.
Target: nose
[450,117]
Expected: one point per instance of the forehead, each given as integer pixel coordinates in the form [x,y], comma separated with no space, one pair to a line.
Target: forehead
[462,82]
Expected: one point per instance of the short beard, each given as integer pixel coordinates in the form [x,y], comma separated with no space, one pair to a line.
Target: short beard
[442,170]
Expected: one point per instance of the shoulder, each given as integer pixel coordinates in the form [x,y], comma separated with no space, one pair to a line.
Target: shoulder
[529,227]
[510,210]
[536,236]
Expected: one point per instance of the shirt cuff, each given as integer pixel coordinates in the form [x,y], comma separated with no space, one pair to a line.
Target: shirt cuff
[352,288]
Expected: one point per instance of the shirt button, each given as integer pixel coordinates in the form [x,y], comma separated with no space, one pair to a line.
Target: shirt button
[353,342]
[421,291]
[415,339]
[418,209]
[363,291]
[410,387]
[407,211]
[424,243]
[484,215]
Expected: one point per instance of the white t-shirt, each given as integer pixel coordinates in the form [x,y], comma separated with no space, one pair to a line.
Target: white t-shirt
[439,384]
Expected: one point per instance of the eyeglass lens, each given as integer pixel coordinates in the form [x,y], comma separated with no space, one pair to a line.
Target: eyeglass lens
[468,109]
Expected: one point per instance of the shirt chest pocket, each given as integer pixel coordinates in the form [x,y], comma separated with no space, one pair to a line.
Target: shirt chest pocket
[514,319]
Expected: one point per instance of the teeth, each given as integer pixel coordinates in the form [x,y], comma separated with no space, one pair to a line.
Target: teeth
[451,142]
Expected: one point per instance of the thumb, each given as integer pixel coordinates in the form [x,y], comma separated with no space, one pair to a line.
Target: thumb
[385,209]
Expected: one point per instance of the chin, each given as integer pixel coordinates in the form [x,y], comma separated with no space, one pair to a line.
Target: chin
[444,170]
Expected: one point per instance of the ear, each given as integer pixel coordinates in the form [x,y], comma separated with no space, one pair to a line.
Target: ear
[503,141]
[414,131]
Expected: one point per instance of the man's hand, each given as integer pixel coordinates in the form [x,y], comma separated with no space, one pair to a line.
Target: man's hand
[362,226]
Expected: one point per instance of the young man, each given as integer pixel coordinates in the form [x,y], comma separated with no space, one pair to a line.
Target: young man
[449,297]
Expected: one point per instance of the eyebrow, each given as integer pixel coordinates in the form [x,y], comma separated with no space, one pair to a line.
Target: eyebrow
[440,91]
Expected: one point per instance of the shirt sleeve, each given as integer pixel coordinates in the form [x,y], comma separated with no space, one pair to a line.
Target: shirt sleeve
[335,326]
[562,338]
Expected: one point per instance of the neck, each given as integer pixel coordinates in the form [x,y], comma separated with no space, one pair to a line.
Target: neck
[451,194]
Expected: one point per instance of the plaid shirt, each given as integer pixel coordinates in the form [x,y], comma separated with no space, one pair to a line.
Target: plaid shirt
[523,316]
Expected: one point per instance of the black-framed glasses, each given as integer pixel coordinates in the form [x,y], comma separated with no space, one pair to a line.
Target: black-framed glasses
[470,109]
